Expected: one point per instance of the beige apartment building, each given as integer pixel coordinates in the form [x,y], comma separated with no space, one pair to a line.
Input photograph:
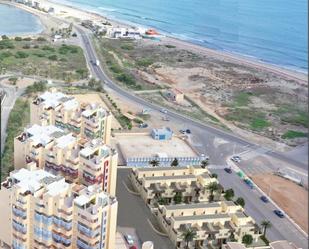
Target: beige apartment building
[41,210]
[214,223]
[63,153]
[163,183]
[64,111]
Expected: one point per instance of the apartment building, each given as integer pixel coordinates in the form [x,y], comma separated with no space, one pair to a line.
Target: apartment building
[86,120]
[63,153]
[41,210]
[214,223]
[162,184]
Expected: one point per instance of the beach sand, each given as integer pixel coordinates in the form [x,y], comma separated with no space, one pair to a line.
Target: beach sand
[70,13]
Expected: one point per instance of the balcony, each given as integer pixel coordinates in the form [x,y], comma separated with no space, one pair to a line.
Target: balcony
[83,245]
[19,227]
[87,231]
[19,212]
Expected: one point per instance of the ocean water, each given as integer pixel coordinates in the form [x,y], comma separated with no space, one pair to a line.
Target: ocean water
[272,31]
[14,21]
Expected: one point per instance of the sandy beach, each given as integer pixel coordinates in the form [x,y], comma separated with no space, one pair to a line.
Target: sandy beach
[70,13]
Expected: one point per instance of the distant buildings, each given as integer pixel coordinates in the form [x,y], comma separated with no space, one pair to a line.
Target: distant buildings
[164,133]
[157,185]
[123,33]
[176,95]
[63,153]
[40,210]
[87,120]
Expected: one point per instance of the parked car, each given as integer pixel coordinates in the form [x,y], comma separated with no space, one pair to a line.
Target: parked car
[143,125]
[279,213]
[182,131]
[264,199]
[130,239]
[165,118]
[133,247]
[236,159]
[249,183]
[188,131]
[228,170]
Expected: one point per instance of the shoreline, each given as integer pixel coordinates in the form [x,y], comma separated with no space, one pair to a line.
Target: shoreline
[74,12]
[286,72]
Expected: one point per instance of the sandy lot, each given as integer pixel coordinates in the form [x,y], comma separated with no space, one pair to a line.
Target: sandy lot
[143,146]
[292,198]
[95,98]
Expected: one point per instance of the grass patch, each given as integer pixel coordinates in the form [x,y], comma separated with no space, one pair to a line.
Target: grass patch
[293,134]
[42,58]
[259,123]
[145,62]
[127,46]
[293,115]
[242,99]
[18,119]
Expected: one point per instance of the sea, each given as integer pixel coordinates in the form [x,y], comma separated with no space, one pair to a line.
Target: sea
[272,31]
[14,21]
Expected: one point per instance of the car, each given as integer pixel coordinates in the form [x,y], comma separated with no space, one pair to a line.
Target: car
[143,125]
[182,131]
[188,131]
[130,239]
[163,111]
[236,159]
[228,170]
[264,199]
[279,213]
[249,183]
[133,247]
[165,118]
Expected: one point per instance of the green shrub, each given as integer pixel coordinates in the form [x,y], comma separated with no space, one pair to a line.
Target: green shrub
[53,57]
[17,38]
[126,78]
[39,86]
[27,39]
[127,46]
[48,48]
[41,39]
[293,134]
[21,55]
[145,62]
[4,37]
[170,46]
[26,46]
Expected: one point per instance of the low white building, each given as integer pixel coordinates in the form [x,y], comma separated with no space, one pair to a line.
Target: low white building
[129,33]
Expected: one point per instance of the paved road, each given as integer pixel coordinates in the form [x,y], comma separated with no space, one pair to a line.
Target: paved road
[132,212]
[281,229]
[217,143]
[99,73]
[11,96]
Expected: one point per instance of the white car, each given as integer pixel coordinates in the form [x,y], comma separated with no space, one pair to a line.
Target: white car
[236,159]
[163,111]
[129,238]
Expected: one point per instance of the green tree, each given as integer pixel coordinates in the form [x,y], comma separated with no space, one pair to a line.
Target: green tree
[162,201]
[5,37]
[240,201]
[154,163]
[175,162]
[13,80]
[212,187]
[204,164]
[188,236]
[229,194]
[178,198]
[247,239]
[265,224]
[214,175]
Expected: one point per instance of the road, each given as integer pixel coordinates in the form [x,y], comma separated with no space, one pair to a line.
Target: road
[217,143]
[11,95]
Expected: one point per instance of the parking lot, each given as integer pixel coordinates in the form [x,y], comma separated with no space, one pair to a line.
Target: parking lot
[145,146]
[133,214]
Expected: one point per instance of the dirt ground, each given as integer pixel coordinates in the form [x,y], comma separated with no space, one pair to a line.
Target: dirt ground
[145,146]
[95,98]
[293,199]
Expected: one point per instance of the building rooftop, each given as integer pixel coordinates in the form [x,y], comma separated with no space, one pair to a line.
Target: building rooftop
[193,206]
[179,177]
[162,130]
[64,141]
[163,169]
[32,181]
[205,217]
[43,134]
[53,99]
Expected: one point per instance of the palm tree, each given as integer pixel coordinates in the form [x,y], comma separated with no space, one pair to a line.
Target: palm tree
[204,164]
[265,224]
[175,162]
[240,201]
[154,163]
[229,194]
[212,187]
[247,239]
[188,236]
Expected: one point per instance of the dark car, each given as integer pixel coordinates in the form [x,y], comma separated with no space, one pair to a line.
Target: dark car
[264,199]
[249,183]
[228,170]
[279,213]
[188,131]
